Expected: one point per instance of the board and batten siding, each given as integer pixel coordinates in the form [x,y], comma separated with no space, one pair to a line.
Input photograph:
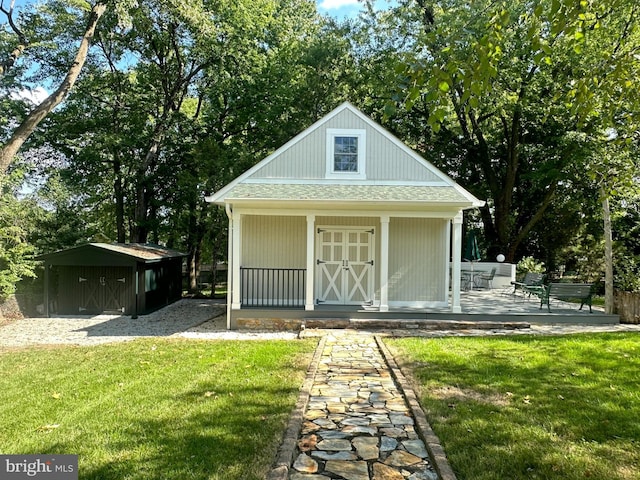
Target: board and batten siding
[306,159]
[417,261]
[274,241]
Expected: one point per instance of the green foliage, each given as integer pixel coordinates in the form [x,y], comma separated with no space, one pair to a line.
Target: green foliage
[146,140]
[583,259]
[529,264]
[178,98]
[627,273]
[626,227]
[512,92]
[63,223]
[15,224]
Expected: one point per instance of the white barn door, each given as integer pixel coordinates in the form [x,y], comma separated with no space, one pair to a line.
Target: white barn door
[345,265]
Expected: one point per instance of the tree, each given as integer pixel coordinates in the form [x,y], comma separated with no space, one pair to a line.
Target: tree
[513,85]
[8,62]
[615,170]
[146,139]
[33,119]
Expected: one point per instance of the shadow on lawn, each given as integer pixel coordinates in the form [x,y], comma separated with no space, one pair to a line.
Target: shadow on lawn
[555,407]
[232,435]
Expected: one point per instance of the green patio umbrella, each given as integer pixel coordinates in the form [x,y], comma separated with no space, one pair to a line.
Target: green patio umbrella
[471,254]
[471,249]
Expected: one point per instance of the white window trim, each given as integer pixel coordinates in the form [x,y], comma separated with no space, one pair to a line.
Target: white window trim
[332,133]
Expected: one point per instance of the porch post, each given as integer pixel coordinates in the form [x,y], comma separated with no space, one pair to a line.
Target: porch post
[227,208]
[456,248]
[311,240]
[384,263]
[237,230]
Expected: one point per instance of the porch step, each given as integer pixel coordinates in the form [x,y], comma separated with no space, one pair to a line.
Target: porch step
[416,324]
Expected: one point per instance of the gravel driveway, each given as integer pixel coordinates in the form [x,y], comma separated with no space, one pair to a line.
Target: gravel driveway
[188,318]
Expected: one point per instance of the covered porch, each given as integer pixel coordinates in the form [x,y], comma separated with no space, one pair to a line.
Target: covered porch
[480,308]
[345,261]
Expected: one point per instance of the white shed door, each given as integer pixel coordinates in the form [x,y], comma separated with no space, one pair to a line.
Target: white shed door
[345,266]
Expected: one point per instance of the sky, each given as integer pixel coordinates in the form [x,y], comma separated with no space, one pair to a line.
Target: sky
[341,9]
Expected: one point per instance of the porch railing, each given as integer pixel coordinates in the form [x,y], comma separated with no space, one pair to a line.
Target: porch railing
[272,287]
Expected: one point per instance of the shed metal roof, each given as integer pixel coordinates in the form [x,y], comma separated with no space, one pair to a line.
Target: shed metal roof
[144,252]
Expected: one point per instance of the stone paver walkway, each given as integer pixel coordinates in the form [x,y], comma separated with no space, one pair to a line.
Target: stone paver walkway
[357,425]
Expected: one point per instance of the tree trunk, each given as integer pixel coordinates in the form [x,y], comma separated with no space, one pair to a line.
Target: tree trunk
[193,274]
[144,189]
[193,260]
[139,230]
[27,127]
[608,253]
[194,246]
[118,193]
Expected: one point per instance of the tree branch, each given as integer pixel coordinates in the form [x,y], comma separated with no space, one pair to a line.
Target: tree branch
[23,42]
[27,127]
[546,201]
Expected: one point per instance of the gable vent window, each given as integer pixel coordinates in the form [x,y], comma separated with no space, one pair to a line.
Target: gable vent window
[346,153]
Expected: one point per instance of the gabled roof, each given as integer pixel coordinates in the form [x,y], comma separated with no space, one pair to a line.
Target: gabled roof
[146,253]
[295,171]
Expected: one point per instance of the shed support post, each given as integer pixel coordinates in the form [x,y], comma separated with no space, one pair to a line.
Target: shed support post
[456,247]
[311,243]
[384,263]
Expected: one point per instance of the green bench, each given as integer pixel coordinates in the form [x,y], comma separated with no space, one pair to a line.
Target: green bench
[531,283]
[566,291]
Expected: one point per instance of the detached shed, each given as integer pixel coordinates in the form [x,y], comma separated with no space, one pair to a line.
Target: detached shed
[99,277]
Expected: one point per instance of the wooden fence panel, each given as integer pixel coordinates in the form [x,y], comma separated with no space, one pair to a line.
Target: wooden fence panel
[627,305]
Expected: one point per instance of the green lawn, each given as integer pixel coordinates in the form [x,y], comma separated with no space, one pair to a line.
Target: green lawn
[531,407]
[153,408]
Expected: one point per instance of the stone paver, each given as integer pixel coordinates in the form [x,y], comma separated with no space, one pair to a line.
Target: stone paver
[357,425]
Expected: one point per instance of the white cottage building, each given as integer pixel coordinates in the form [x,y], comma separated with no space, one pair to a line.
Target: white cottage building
[342,218]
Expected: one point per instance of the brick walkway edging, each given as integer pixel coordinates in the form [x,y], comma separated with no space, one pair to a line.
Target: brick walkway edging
[287,449]
[431,440]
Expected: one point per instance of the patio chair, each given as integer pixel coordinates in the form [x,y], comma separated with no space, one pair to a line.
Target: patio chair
[486,279]
[465,281]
